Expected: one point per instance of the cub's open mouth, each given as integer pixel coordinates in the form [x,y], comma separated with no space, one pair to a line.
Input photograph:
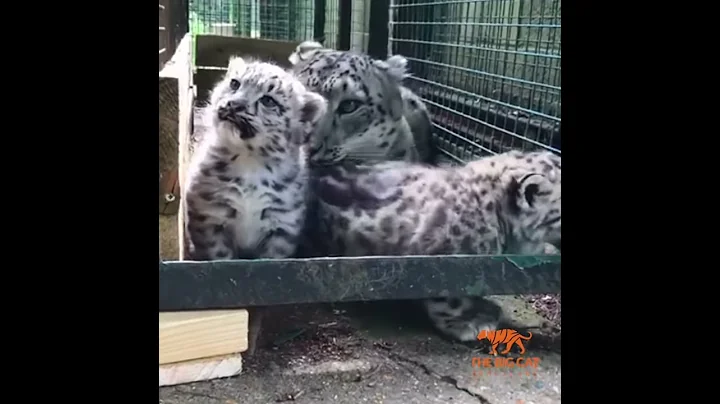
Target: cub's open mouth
[247,131]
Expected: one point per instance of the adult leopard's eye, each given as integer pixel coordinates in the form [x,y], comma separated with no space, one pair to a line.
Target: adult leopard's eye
[268,101]
[348,107]
[234,84]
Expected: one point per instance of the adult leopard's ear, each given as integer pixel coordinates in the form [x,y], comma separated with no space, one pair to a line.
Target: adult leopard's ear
[303,51]
[395,66]
[391,73]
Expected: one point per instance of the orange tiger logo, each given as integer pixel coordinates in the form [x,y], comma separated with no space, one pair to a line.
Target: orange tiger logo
[507,337]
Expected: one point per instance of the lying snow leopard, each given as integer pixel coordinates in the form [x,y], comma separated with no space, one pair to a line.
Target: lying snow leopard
[247,184]
[374,117]
[503,204]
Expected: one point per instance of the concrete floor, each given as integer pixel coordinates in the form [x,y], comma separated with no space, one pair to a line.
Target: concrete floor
[377,353]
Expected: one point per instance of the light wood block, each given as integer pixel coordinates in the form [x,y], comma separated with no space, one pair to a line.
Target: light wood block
[200,369]
[193,335]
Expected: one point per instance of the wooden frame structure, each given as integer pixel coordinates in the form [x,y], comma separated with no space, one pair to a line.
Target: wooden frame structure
[237,284]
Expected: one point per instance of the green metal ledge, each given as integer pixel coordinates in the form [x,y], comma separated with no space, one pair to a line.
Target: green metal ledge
[187,285]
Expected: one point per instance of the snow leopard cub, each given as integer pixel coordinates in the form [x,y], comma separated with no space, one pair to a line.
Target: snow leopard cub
[503,204]
[246,187]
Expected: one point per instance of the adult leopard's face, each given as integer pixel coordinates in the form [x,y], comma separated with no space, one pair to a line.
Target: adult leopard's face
[364,100]
[261,107]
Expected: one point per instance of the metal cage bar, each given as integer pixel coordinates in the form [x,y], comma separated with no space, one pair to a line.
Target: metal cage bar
[345,24]
[319,22]
[378,28]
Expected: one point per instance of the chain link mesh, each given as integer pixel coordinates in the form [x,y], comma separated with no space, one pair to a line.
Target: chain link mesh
[489,71]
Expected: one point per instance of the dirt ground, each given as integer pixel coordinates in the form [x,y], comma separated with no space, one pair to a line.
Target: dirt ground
[376,353]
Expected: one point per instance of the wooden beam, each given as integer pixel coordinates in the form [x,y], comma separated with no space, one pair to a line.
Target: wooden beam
[200,369]
[228,284]
[192,335]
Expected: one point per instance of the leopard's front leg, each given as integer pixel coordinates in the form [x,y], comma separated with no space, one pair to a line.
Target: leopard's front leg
[210,239]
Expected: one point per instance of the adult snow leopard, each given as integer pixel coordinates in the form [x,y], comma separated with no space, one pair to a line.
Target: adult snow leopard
[372,116]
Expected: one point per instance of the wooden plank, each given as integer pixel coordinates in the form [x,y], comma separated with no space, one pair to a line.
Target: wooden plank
[200,369]
[194,335]
[247,283]
[168,115]
[169,198]
[169,246]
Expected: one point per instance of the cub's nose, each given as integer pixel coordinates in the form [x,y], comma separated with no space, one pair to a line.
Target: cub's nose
[231,107]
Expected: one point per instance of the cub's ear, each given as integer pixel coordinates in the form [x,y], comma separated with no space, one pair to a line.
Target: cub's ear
[526,188]
[314,108]
[236,65]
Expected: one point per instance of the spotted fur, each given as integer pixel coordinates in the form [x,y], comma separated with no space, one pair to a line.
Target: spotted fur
[502,204]
[247,185]
[372,116]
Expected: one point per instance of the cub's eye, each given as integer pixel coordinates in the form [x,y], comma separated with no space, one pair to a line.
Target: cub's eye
[268,101]
[234,84]
[348,107]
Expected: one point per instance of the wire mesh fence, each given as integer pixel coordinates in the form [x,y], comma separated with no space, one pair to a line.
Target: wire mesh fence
[360,21]
[332,21]
[489,71]
[173,24]
[269,19]
[290,20]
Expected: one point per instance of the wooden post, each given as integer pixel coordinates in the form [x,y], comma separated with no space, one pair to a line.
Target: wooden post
[176,98]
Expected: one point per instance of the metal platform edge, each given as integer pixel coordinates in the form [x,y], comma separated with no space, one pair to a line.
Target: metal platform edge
[192,285]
